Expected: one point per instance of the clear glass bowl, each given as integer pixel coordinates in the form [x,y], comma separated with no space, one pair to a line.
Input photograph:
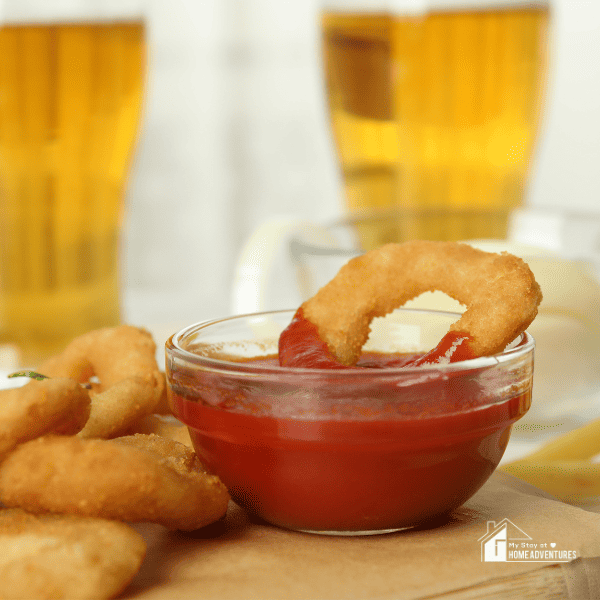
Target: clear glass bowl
[350,451]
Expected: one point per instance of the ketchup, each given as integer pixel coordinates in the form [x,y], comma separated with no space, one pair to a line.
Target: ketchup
[358,456]
[301,346]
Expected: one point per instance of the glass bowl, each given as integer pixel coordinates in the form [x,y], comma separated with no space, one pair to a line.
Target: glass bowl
[350,451]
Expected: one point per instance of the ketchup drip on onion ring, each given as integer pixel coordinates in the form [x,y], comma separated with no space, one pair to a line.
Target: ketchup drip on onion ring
[300,346]
[453,347]
[499,292]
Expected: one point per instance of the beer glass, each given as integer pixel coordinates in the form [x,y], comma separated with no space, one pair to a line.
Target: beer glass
[435,108]
[71,88]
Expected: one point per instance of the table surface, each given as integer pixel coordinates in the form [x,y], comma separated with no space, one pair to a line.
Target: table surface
[243,553]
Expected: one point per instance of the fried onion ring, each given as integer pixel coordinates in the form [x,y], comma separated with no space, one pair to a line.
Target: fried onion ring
[499,291]
[130,386]
[61,556]
[163,426]
[60,406]
[134,478]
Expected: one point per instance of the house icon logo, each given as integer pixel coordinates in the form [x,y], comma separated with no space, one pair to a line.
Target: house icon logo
[495,543]
[505,542]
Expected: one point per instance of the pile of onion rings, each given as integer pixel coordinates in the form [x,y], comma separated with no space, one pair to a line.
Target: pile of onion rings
[78,446]
[499,291]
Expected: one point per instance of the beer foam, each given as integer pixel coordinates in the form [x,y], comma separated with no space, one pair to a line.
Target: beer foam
[68,11]
[417,7]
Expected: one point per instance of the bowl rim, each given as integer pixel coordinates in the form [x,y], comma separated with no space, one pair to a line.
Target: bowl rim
[523,344]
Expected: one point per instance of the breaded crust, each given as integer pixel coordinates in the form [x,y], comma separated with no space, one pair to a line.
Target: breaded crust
[130,386]
[111,353]
[59,406]
[499,291]
[132,478]
[114,410]
[64,557]
[164,426]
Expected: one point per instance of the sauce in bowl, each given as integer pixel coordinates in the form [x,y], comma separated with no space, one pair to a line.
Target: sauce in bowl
[360,473]
[363,450]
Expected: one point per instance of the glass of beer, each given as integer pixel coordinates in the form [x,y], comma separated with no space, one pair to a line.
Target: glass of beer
[71,88]
[435,108]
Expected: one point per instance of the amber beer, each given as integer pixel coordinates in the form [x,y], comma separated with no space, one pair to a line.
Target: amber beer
[70,103]
[435,116]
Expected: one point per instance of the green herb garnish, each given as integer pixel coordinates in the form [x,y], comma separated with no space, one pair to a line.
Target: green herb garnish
[30,374]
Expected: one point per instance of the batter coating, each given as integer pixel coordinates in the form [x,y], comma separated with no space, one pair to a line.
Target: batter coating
[130,386]
[133,478]
[59,406]
[58,556]
[499,291]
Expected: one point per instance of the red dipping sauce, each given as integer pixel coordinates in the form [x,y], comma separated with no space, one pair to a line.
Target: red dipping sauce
[361,450]
[301,346]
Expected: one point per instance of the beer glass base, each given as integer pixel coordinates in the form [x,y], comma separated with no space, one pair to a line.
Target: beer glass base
[377,227]
[35,325]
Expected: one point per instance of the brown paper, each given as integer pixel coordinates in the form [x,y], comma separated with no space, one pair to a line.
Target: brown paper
[243,558]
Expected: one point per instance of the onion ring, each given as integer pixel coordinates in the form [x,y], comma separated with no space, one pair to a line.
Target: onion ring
[139,478]
[61,556]
[130,386]
[499,291]
[164,426]
[60,406]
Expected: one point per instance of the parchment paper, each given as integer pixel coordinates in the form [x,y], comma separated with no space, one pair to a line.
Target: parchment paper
[244,558]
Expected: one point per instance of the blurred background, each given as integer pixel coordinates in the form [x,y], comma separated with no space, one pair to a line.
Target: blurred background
[235,131]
